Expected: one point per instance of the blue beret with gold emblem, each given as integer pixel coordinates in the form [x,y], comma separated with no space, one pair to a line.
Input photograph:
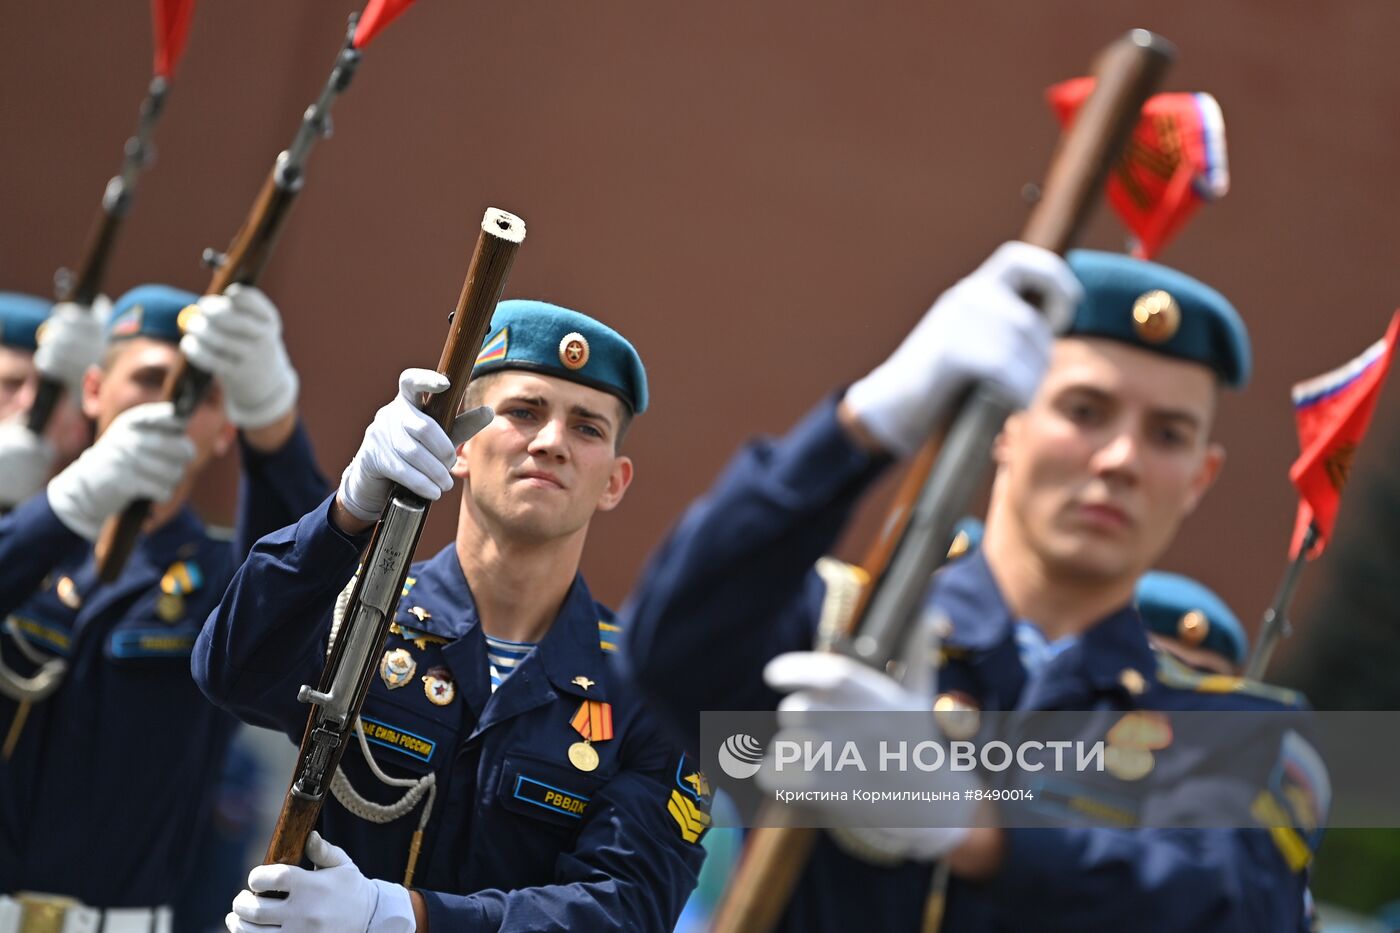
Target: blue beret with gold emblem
[1162,310]
[1181,608]
[540,337]
[149,311]
[20,317]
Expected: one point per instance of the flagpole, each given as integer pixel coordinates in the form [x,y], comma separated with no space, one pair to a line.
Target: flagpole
[1275,625]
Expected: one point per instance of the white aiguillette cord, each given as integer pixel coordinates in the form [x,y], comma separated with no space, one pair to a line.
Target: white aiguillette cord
[355,802]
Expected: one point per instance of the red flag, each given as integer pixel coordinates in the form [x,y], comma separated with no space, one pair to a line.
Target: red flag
[171,20]
[377,15]
[1333,412]
[1174,162]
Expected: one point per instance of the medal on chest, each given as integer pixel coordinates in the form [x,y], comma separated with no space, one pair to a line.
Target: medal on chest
[397,667]
[438,686]
[593,721]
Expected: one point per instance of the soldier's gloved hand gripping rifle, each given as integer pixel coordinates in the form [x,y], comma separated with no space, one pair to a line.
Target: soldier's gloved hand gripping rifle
[251,247]
[359,642]
[171,20]
[947,471]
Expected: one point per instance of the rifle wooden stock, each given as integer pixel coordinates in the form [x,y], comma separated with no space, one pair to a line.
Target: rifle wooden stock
[186,385]
[387,558]
[935,492]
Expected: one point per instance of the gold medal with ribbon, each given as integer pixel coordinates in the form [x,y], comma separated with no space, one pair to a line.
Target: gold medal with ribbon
[593,721]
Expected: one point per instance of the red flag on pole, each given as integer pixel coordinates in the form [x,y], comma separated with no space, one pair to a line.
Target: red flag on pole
[1175,161]
[1333,411]
[171,19]
[377,15]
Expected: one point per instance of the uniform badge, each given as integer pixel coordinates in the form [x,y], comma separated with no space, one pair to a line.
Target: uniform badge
[583,682]
[438,686]
[1141,730]
[67,592]
[180,579]
[957,714]
[170,606]
[573,351]
[1132,681]
[419,613]
[1193,627]
[397,668]
[1156,316]
[421,639]
[1128,764]
[1131,742]
[593,721]
[689,804]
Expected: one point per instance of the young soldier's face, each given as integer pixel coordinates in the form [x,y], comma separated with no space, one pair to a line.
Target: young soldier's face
[135,373]
[548,461]
[17,381]
[1111,455]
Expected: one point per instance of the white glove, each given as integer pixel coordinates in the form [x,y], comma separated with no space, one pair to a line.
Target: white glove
[70,341]
[402,445]
[980,330]
[142,455]
[335,898]
[818,682]
[25,461]
[237,336]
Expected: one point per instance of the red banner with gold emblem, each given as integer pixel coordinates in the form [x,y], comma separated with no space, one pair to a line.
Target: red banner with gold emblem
[1175,161]
[1333,412]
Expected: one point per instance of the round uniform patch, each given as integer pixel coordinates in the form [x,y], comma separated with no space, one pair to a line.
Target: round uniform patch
[68,593]
[1128,764]
[439,690]
[170,606]
[957,715]
[397,668]
[1156,316]
[573,350]
[187,313]
[1193,627]
[1132,681]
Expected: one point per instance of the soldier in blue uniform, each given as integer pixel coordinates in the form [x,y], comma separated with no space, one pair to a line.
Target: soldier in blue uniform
[1091,483]
[71,341]
[1190,621]
[502,777]
[20,317]
[110,753]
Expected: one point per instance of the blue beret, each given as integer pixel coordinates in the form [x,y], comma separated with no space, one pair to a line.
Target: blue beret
[545,338]
[1179,607]
[20,317]
[149,311]
[1159,309]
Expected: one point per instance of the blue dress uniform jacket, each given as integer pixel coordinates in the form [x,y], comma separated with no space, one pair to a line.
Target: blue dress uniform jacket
[108,790]
[519,838]
[732,587]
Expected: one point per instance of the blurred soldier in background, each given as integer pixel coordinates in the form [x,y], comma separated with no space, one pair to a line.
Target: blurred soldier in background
[71,340]
[110,753]
[1092,481]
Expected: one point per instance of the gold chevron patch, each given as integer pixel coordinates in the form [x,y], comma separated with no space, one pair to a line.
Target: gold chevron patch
[691,819]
